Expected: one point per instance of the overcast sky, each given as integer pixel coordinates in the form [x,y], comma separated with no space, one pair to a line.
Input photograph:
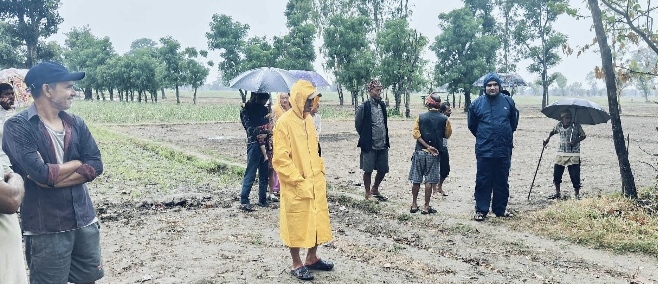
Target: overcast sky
[188,21]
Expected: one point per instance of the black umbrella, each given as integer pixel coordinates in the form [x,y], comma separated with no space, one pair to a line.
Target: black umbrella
[507,79]
[264,80]
[582,111]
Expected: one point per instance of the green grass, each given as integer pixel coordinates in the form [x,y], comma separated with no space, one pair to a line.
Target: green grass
[611,222]
[135,113]
[143,168]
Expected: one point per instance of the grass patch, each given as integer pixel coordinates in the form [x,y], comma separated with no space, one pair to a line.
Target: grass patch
[363,205]
[133,113]
[611,222]
[141,167]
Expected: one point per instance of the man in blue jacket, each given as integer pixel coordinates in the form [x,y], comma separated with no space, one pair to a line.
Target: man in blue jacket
[492,119]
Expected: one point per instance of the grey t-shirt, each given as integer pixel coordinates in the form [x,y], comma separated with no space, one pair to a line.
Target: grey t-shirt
[58,140]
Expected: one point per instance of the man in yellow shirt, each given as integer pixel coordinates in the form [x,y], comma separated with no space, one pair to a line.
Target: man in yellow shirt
[429,131]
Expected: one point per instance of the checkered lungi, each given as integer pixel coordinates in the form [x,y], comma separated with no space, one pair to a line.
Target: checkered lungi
[424,165]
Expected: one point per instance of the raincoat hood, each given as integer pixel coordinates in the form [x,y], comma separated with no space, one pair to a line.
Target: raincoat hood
[492,77]
[299,93]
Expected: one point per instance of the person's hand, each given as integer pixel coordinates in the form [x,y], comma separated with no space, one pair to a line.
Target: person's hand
[261,137]
[433,151]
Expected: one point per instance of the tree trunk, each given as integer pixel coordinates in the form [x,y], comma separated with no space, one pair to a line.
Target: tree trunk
[163,94]
[628,181]
[111,94]
[355,98]
[132,95]
[177,95]
[398,100]
[89,96]
[341,96]
[139,96]
[467,100]
[98,98]
[407,109]
[194,99]
[31,55]
[544,85]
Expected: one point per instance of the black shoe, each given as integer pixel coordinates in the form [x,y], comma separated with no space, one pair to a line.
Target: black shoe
[302,273]
[247,208]
[261,204]
[322,265]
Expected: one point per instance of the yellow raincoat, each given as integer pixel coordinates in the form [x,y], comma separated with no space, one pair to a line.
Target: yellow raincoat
[278,108]
[304,212]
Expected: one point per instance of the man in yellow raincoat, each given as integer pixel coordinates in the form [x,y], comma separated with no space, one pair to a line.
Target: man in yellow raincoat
[304,212]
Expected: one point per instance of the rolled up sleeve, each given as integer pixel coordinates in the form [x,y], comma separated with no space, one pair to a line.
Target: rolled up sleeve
[18,142]
[90,154]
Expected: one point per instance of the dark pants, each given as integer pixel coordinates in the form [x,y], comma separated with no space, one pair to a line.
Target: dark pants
[491,178]
[574,174]
[255,163]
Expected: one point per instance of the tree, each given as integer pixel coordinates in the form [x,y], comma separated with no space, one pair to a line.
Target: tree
[593,85]
[29,21]
[228,37]
[461,49]
[258,52]
[561,82]
[508,9]
[347,53]
[195,72]
[628,181]
[400,48]
[11,53]
[86,52]
[146,43]
[644,62]
[576,88]
[172,57]
[535,26]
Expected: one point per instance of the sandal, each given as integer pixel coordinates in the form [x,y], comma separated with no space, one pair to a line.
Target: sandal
[479,216]
[247,208]
[302,273]
[321,265]
[380,197]
[413,210]
[505,215]
[429,210]
[555,196]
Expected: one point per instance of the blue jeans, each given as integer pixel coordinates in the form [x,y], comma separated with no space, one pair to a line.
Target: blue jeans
[492,179]
[255,162]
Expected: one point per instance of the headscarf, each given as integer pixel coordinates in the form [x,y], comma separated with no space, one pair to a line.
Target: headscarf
[373,84]
[433,101]
[278,107]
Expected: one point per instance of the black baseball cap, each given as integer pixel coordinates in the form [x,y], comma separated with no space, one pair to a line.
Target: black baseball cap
[50,72]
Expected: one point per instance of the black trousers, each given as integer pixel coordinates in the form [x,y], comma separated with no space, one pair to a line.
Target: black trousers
[574,174]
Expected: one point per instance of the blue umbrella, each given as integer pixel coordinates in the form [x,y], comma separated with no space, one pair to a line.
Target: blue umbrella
[316,79]
[264,80]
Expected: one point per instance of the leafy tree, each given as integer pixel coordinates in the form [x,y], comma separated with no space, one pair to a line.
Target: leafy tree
[561,82]
[86,52]
[536,26]
[29,21]
[195,72]
[462,49]
[172,57]
[508,9]
[143,43]
[400,48]
[347,53]
[645,62]
[258,52]
[227,36]
[11,51]
[628,181]
[576,88]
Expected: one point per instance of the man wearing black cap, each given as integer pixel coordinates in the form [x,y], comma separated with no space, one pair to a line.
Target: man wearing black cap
[56,155]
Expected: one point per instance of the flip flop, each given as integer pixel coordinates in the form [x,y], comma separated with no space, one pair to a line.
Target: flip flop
[380,197]
[302,273]
[321,265]
[505,215]
[429,210]
[413,210]
[479,216]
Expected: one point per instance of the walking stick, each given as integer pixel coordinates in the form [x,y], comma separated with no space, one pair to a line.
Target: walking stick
[533,178]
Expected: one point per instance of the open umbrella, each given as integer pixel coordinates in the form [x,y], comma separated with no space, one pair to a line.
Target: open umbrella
[314,77]
[508,80]
[264,80]
[16,77]
[582,111]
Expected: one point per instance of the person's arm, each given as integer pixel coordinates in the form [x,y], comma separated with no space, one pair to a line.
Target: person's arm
[417,135]
[11,193]
[448,130]
[283,164]
[514,115]
[90,156]
[581,135]
[248,124]
[358,118]
[472,119]
[550,134]
[18,142]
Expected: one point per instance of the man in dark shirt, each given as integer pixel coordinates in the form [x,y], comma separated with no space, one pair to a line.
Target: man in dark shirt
[56,155]
[251,119]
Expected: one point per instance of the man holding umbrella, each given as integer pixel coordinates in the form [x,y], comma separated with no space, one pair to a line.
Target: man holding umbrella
[568,153]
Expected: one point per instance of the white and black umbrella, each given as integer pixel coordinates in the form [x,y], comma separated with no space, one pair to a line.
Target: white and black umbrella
[582,111]
[264,80]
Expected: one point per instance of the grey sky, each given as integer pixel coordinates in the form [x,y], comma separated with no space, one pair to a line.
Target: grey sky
[188,21]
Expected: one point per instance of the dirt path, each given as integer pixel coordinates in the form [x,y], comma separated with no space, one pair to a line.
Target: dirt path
[212,242]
